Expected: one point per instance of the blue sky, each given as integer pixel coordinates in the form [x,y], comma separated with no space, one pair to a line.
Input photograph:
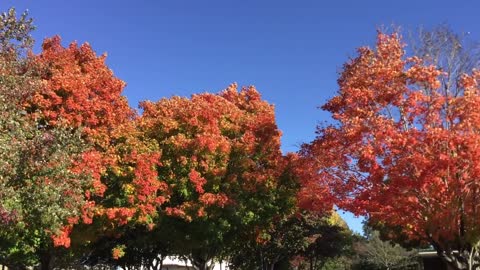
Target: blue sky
[290,50]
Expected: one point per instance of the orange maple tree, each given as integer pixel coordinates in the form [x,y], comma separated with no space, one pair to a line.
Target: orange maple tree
[221,159]
[80,92]
[404,150]
[212,143]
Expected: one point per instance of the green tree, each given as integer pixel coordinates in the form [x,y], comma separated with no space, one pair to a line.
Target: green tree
[41,195]
[305,240]
[383,254]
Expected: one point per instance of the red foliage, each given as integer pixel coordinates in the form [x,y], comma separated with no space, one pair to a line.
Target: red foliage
[147,186]
[63,237]
[405,151]
[132,178]
[79,89]
[118,252]
[93,164]
[197,180]
[120,214]
[214,199]
[213,147]
[314,193]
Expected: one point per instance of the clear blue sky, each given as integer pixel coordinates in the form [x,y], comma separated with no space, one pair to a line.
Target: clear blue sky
[290,50]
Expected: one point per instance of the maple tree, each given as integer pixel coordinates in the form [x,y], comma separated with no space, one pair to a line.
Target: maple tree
[254,207]
[40,195]
[69,144]
[80,91]
[404,150]
[221,159]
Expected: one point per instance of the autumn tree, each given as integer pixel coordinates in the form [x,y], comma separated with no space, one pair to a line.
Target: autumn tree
[221,159]
[41,194]
[331,240]
[404,149]
[82,92]
[222,146]
[79,89]
[71,152]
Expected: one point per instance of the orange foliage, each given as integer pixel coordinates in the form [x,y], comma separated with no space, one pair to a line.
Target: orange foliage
[213,146]
[405,150]
[62,238]
[79,89]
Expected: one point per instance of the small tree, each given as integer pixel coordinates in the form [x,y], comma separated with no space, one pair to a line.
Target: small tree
[382,254]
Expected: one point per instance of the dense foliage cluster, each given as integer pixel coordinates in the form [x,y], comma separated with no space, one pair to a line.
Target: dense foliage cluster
[86,181]
[405,149]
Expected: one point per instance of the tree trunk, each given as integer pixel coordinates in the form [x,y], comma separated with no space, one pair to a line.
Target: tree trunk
[157,263]
[201,263]
[45,260]
[466,260]
[202,266]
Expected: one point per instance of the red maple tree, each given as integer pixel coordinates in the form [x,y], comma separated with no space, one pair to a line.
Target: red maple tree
[78,91]
[221,160]
[212,144]
[405,149]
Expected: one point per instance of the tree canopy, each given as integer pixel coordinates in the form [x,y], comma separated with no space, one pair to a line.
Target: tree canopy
[87,181]
[405,147]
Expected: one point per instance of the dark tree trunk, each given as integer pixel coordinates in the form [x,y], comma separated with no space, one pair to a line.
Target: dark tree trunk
[45,260]
[201,262]
[157,263]
[202,265]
